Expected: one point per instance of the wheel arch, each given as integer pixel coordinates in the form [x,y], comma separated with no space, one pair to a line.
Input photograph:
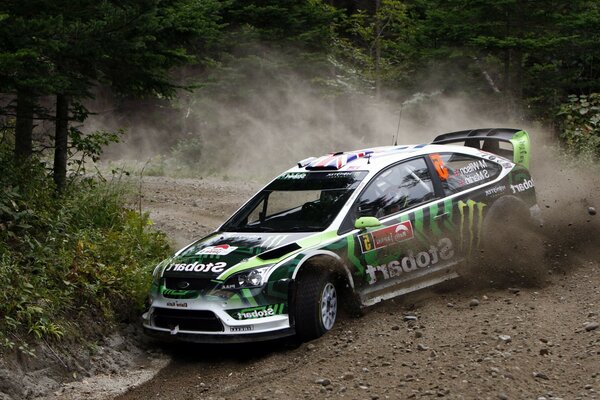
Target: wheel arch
[328,259]
[317,266]
[349,299]
[508,203]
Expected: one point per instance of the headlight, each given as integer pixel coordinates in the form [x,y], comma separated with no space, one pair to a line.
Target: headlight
[248,279]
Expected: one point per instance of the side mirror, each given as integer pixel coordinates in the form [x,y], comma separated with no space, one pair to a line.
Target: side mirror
[366,222]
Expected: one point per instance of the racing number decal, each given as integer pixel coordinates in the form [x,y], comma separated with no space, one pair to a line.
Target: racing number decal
[440,168]
[366,242]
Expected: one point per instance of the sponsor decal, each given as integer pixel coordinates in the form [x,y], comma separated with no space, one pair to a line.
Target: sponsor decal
[219,250]
[172,293]
[471,205]
[472,167]
[385,237]
[412,262]
[176,304]
[495,190]
[257,312]
[196,267]
[293,175]
[339,175]
[473,172]
[489,156]
[273,241]
[244,328]
[183,285]
[523,186]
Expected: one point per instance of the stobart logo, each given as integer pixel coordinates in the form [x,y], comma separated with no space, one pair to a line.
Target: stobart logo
[257,312]
[412,262]
[471,205]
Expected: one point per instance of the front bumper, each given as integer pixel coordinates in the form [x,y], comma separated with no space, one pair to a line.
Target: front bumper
[207,322]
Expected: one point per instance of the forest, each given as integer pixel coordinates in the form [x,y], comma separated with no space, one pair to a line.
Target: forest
[68,241]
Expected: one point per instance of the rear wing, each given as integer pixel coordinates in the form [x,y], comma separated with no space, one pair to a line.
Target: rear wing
[509,143]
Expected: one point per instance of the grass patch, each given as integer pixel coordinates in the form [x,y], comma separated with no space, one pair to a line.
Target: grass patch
[70,260]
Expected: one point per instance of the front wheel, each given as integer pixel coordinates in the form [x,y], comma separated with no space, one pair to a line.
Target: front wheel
[316,305]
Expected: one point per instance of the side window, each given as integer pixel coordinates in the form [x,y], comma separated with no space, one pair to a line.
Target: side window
[397,188]
[460,172]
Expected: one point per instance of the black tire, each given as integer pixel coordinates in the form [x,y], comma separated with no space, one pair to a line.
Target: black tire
[513,249]
[315,315]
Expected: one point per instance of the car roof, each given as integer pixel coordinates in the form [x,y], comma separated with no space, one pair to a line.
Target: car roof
[376,158]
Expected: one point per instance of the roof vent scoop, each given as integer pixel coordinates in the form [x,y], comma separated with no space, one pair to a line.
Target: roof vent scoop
[336,160]
[306,161]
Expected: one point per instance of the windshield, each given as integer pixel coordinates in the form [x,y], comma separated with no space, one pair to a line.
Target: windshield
[296,202]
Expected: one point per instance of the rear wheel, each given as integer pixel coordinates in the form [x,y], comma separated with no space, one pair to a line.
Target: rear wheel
[316,304]
[513,250]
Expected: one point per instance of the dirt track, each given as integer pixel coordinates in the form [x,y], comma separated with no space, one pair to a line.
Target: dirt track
[515,343]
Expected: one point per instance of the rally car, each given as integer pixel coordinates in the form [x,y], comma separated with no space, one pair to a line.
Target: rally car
[359,227]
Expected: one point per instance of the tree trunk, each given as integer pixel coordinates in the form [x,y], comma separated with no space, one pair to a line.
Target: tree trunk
[377,50]
[60,141]
[24,125]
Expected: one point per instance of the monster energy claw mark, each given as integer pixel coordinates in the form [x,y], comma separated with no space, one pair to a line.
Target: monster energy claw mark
[470,204]
[433,215]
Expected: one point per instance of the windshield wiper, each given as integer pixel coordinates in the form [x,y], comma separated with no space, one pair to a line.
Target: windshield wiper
[306,228]
[252,229]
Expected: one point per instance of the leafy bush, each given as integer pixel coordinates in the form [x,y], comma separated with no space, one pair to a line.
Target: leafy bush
[188,152]
[186,159]
[579,121]
[69,264]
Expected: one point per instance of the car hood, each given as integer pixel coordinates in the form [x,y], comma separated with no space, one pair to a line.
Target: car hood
[211,256]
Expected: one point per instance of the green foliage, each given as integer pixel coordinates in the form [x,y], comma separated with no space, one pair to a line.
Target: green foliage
[89,146]
[188,152]
[61,47]
[579,121]
[65,49]
[186,159]
[534,53]
[304,24]
[79,258]
[383,42]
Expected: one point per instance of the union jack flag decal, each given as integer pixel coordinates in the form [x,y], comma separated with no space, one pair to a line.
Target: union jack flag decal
[336,160]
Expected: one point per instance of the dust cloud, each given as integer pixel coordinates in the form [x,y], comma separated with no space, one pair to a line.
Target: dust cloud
[524,254]
[263,123]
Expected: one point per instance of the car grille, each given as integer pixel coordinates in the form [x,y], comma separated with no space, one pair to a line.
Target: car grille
[192,283]
[188,320]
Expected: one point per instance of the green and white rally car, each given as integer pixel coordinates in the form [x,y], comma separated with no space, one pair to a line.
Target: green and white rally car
[360,226]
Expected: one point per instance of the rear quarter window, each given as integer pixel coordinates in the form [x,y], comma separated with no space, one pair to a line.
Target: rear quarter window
[459,172]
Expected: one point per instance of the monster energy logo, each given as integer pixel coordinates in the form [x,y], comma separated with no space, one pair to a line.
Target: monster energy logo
[172,293]
[471,205]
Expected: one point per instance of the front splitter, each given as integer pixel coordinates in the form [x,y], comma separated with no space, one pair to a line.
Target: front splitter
[165,335]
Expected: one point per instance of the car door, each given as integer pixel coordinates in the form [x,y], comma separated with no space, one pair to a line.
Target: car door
[466,182]
[415,241]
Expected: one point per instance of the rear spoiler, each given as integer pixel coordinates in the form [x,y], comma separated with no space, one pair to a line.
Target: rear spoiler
[491,138]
